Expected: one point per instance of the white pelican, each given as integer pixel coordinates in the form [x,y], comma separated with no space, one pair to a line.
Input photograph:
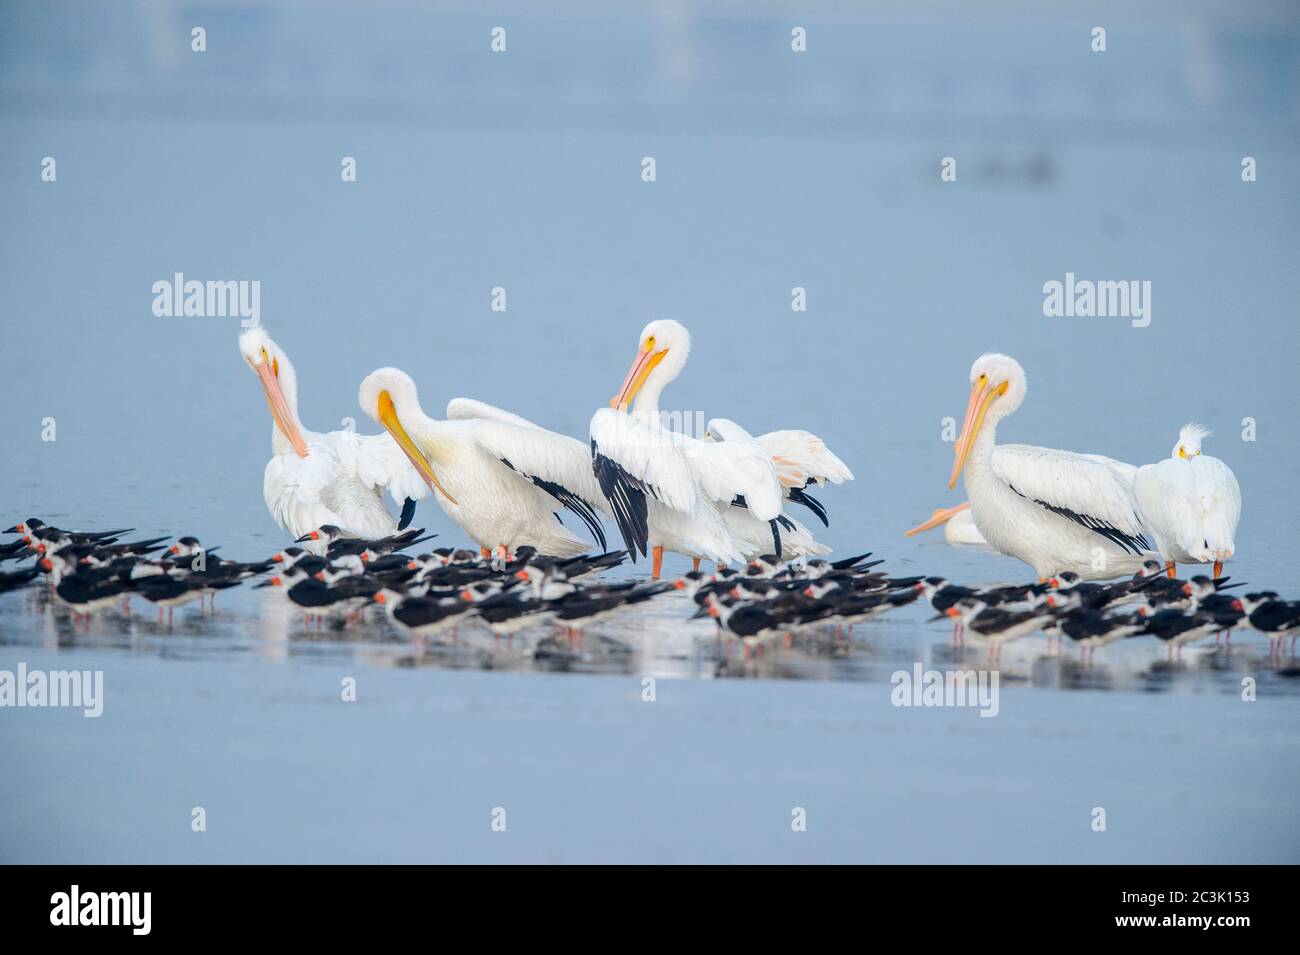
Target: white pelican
[715,499]
[497,475]
[1191,503]
[1055,510]
[333,478]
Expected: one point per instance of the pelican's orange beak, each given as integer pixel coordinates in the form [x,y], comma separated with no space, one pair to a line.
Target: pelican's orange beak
[268,371]
[941,515]
[647,359]
[388,418]
[981,396]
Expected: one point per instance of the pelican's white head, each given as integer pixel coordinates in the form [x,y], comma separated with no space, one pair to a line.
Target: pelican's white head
[280,383]
[1189,441]
[396,384]
[389,396]
[661,354]
[998,385]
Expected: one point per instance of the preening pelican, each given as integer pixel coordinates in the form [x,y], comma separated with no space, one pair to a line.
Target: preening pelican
[716,499]
[1055,510]
[333,478]
[1191,503]
[497,475]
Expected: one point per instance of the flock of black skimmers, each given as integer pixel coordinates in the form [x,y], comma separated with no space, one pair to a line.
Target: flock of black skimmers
[332,579]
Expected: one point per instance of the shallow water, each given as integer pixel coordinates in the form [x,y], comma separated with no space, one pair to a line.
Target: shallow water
[660,639]
[523,171]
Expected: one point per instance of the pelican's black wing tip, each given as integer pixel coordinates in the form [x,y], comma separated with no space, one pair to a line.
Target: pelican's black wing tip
[408,514]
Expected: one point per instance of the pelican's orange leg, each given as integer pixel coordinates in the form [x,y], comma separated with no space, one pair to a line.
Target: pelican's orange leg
[695,563]
[1170,570]
[485,553]
[657,563]
[1218,569]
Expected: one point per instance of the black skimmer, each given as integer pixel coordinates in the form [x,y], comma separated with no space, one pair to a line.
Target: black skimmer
[329,540]
[997,626]
[167,591]
[422,616]
[8,581]
[32,526]
[1176,628]
[15,550]
[583,607]
[83,594]
[1277,620]
[319,601]
[1089,628]
[505,612]
[754,622]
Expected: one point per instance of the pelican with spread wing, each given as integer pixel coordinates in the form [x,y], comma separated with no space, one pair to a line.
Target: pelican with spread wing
[720,498]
